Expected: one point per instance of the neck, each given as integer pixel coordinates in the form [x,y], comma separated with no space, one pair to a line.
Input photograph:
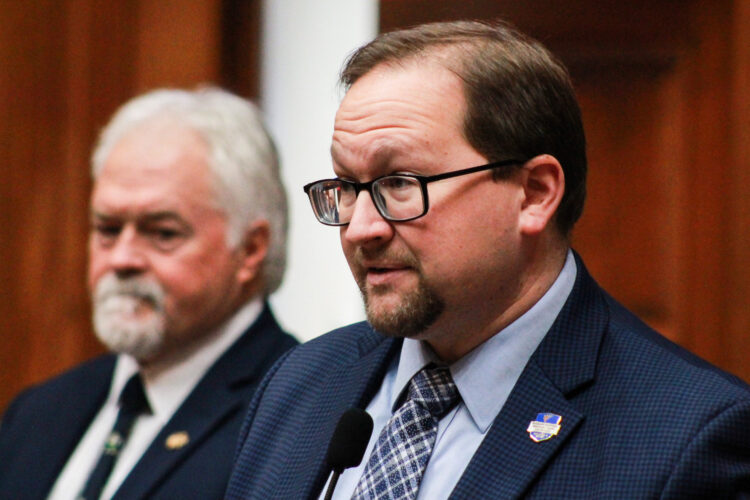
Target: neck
[451,339]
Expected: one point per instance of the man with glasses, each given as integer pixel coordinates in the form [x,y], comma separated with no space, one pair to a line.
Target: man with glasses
[491,363]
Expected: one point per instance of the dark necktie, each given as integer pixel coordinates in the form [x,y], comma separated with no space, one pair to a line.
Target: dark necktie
[133,403]
[397,462]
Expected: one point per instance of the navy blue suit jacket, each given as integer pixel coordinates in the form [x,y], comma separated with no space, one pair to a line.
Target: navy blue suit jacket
[44,424]
[641,417]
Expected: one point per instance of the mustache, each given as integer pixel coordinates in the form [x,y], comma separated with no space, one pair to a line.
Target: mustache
[407,259]
[110,286]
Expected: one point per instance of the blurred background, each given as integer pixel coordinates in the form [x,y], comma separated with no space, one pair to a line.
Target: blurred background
[664,86]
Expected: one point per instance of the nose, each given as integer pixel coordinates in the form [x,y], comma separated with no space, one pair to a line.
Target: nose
[366,226]
[126,255]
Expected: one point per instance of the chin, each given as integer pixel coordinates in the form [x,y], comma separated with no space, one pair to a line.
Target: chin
[407,316]
[141,339]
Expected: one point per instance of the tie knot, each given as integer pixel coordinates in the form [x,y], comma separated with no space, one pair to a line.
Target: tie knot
[433,388]
[133,397]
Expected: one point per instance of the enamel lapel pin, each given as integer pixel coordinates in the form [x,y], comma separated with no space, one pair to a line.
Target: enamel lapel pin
[544,427]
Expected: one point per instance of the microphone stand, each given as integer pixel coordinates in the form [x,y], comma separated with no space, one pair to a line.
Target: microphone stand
[332,484]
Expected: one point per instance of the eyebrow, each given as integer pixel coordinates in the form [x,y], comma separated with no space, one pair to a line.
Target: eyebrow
[163,215]
[379,159]
[148,217]
[334,155]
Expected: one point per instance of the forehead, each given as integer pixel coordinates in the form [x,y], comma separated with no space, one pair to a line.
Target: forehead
[398,109]
[153,166]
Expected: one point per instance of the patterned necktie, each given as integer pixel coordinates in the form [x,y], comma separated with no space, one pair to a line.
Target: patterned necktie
[133,403]
[400,455]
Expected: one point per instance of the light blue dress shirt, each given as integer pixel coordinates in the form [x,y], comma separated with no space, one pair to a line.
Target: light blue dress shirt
[484,377]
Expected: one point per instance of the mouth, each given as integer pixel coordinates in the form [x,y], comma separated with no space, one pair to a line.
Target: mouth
[129,296]
[130,304]
[379,270]
[384,269]
[385,275]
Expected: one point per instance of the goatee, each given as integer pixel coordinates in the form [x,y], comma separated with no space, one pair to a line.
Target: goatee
[117,321]
[417,310]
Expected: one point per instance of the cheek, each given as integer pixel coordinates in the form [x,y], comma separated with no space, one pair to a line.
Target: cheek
[346,246]
[197,264]
[462,246]
[96,266]
[179,277]
[193,283]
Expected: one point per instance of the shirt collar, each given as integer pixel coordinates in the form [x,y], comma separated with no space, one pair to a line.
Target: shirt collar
[167,389]
[485,376]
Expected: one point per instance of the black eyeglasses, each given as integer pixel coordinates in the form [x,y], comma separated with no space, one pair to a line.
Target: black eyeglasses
[398,198]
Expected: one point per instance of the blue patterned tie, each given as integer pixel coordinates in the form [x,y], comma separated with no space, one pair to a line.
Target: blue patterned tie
[394,469]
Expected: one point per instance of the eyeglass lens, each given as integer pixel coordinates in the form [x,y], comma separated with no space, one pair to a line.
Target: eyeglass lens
[396,198]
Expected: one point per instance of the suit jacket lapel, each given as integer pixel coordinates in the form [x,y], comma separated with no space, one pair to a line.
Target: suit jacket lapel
[207,407]
[508,460]
[201,413]
[351,384]
[68,426]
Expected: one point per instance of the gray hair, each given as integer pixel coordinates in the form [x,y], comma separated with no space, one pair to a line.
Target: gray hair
[243,159]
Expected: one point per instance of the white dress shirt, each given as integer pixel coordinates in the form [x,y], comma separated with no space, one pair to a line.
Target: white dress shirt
[165,389]
[484,377]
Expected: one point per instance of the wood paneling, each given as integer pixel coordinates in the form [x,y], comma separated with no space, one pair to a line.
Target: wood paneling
[42,226]
[664,90]
[241,23]
[738,207]
[66,67]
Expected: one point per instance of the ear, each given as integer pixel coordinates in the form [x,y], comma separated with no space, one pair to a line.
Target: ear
[254,248]
[543,185]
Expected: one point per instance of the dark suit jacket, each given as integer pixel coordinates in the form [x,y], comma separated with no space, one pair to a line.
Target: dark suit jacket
[641,417]
[43,425]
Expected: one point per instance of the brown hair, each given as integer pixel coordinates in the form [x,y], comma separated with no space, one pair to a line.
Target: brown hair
[520,99]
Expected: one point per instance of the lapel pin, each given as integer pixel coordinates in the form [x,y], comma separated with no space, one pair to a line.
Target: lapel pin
[177,440]
[544,427]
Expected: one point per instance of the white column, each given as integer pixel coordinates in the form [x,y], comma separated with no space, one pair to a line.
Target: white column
[304,45]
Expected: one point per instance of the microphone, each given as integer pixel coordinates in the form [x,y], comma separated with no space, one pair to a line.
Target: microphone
[348,443]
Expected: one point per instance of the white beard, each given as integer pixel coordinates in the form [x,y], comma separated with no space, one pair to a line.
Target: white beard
[120,321]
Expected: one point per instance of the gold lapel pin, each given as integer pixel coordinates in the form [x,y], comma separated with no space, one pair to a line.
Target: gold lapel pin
[177,440]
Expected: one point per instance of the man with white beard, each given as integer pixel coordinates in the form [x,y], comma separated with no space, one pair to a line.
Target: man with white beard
[188,228]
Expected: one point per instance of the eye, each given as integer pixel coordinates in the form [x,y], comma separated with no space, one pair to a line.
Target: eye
[397,182]
[166,234]
[164,237]
[105,233]
[397,188]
